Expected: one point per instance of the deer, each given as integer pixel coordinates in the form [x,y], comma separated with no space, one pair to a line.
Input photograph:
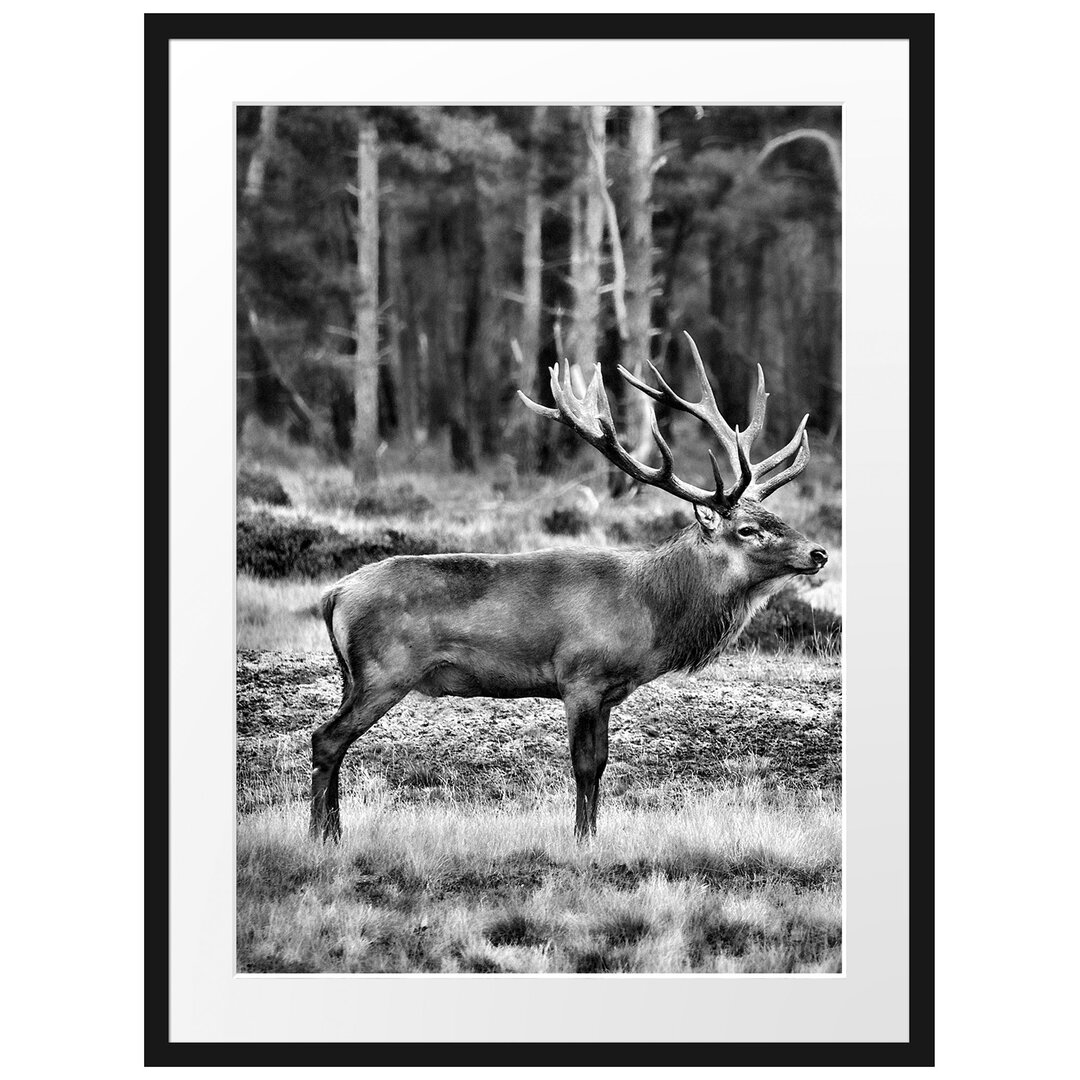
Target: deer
[584,625]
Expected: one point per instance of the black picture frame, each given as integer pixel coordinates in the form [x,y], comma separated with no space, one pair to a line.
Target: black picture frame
[160,30]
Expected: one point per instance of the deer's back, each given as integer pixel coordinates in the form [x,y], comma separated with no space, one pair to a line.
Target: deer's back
[497,625]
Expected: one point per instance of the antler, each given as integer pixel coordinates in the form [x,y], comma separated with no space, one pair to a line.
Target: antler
[737,446]
[590,417]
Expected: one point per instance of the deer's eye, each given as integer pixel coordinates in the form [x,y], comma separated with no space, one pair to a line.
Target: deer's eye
[746,531]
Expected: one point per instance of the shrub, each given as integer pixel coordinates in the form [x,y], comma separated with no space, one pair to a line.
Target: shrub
[505,482]
[517,928]
[829,518]
[275,547]
[624,928]
[565,521]
[396,499]
[479,963]
[787,620]
[573,511]
[332,492]
[421,776]
[260,487]
[647,529]
[593,961]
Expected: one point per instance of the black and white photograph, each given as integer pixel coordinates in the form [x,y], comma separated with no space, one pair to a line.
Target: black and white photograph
[511,504]
[539,539]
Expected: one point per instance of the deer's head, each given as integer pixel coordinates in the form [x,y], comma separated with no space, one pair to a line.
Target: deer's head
[755,546]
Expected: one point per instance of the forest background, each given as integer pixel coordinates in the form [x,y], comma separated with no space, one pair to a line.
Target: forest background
[402,271]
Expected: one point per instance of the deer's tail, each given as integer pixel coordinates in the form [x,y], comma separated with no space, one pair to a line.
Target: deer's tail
[348,683]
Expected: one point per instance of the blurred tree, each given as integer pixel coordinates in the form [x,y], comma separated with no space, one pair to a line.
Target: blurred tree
[401,360]
[732,232]
[256,171]
[825,305]
[587,233]
[639,267]
[532,265]
[366,367]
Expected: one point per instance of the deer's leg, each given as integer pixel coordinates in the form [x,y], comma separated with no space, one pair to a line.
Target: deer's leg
[600,754]
[583,720]
[329,744]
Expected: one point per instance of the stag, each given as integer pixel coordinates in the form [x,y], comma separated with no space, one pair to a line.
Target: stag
[588,626]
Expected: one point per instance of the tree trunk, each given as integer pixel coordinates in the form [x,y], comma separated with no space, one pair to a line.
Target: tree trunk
[577,255]
[531,289]
[260,156]
[668,316]
[465,377]
[639,267]
[366,372]
[585,267]
[436,343]
[400,358]
[488,360]
[725,353]
[423,381]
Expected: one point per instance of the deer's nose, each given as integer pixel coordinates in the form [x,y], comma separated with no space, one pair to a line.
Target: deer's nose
[820,557]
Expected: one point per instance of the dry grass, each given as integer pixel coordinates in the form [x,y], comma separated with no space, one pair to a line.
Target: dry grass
[277,615]
[740,879]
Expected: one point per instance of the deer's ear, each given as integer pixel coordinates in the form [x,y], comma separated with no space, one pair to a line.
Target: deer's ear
[708,518]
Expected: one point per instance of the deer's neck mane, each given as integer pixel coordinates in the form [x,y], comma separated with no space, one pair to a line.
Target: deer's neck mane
[698,608]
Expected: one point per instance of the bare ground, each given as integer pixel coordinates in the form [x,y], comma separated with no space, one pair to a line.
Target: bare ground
[678,733]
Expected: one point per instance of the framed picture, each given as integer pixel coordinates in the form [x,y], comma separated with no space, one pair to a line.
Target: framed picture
[536,414]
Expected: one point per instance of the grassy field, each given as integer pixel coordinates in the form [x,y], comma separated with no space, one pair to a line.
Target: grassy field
[738,879]
[719,847]
[719,844]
